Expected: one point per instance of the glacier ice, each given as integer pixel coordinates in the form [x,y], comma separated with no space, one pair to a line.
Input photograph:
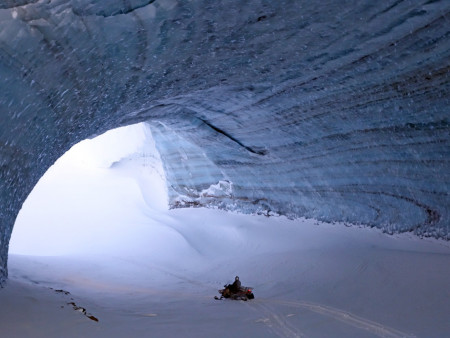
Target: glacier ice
[333,110]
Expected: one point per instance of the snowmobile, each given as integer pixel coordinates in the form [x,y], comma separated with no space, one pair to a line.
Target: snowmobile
[245,293]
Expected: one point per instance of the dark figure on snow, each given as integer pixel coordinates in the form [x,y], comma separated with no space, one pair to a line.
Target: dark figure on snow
[236,291]
[236,286]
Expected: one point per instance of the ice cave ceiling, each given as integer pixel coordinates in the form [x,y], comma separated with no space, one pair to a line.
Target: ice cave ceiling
[337,110]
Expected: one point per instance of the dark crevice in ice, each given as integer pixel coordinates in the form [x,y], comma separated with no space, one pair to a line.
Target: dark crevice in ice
[104,13]
[252,150]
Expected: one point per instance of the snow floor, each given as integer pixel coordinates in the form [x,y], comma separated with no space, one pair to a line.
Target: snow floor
[311,279]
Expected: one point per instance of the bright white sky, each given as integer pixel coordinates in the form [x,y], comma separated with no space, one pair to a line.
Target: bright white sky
[82,202]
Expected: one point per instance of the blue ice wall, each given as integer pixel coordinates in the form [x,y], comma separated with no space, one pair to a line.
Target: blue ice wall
[337,110]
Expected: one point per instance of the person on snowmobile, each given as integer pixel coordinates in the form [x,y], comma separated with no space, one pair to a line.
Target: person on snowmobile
[235,291]
[236,286]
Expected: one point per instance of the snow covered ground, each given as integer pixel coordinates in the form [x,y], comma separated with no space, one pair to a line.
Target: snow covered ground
[99,237]
[310,281]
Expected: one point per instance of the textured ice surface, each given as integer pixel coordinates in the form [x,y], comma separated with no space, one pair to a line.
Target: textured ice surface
[337,110]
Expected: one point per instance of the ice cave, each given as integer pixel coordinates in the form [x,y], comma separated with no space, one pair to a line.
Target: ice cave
[331,112]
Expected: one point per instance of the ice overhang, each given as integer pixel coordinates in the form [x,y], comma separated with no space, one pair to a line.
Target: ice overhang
[326,110]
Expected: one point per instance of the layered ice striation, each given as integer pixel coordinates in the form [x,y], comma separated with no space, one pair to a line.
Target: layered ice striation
[337,110]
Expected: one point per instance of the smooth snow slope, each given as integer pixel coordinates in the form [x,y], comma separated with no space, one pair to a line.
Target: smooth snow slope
[145,271]
[76,206]
[311,280]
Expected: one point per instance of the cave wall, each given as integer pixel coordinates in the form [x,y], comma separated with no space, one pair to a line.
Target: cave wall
[337,110]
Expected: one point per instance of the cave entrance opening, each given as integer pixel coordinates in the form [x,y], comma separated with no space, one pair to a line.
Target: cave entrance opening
[93,197]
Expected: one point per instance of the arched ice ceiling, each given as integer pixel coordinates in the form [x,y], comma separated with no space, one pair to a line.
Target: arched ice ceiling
[337,110]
